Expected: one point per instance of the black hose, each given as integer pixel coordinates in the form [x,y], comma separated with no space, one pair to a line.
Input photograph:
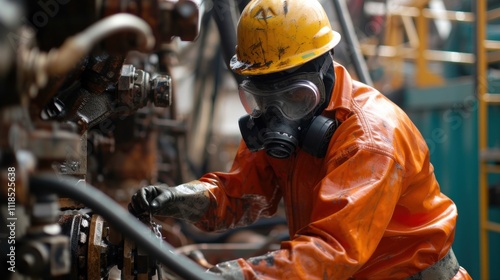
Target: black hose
[225,16]
[119,218]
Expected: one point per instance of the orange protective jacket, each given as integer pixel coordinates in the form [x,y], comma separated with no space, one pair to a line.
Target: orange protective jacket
[370,209]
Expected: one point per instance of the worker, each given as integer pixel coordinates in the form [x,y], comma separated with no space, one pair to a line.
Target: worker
[353,171]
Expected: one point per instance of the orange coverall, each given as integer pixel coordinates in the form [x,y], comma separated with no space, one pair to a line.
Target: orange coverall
[370,209]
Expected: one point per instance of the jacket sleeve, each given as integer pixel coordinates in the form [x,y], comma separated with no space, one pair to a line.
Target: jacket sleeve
[355,202]
[242,195]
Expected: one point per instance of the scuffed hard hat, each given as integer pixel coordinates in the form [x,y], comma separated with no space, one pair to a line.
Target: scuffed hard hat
[276,35]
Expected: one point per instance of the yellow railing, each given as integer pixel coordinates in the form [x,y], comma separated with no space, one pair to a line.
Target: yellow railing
[487,52]
[411,21]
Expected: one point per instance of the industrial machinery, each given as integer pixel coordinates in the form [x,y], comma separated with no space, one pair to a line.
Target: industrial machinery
[85,91]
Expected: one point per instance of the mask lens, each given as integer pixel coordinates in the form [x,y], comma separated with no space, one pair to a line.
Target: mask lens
[295,100]
[249,101]
[299,101]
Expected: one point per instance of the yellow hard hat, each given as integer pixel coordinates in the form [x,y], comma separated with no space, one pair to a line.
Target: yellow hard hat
[276,35]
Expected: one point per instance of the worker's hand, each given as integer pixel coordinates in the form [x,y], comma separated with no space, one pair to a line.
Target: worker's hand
[229,270]
[186,201]
[143,201]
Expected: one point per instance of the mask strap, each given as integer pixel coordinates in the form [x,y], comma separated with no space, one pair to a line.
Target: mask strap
[322,73]
[326,64]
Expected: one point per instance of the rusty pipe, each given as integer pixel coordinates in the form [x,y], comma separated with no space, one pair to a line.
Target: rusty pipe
[59,61]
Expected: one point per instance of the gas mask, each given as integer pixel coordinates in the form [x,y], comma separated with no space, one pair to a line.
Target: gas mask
[281,114]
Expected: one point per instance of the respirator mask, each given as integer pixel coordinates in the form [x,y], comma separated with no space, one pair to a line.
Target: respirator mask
[281,113]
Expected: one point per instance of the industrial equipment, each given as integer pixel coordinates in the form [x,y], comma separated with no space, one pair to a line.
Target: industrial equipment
[85,88]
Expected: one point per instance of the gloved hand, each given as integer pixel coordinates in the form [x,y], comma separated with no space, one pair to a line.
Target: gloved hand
[229,270]
[187,201]
[141,202]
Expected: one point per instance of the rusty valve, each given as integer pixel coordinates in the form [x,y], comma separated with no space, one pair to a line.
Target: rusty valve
[136,88]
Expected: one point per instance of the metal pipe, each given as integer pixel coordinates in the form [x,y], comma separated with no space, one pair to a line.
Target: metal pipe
[76,47]
[345,22]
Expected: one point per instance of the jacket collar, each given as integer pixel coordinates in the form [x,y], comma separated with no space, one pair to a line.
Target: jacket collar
[340,106]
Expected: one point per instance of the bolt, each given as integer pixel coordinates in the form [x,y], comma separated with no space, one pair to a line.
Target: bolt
[83,238]
[161,91]
[85,223]
[127,76]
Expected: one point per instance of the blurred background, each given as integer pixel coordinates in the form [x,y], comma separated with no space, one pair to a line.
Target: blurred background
[148,98]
